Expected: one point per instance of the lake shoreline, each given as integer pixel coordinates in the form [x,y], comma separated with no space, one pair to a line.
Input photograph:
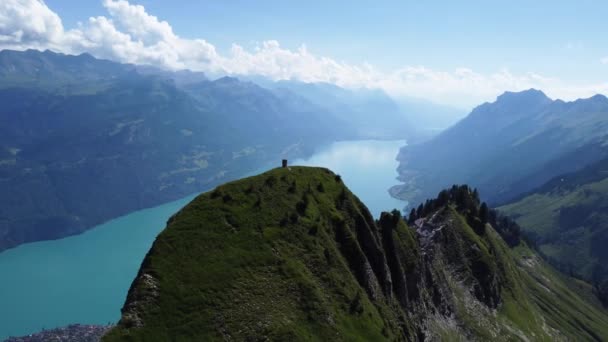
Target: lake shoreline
[86,276]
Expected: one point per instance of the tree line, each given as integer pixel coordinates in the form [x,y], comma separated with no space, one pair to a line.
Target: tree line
[466,201]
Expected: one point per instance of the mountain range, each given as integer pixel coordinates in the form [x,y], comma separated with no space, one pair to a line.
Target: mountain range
[542,161]
[507,147]
[412,117]
[84,140]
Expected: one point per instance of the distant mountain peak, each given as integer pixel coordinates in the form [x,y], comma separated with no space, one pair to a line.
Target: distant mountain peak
[528,96]
[599,98]
[596,102]
[227,80]
[86,55]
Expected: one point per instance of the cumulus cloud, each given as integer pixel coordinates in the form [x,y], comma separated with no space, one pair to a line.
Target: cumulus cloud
[29,23]
[129,34]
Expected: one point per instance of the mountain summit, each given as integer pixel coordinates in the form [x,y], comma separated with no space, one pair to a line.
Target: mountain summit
[526,97]
[293,255]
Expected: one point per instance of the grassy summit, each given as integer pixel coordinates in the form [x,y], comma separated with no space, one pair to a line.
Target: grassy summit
[257,257]
[292,254]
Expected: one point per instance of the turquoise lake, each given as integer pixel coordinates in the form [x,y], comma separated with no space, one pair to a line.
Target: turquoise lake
[85,278]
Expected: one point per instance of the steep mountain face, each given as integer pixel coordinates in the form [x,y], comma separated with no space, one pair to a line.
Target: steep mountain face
[292,254]
[568,220]
[85,140]
[507,147]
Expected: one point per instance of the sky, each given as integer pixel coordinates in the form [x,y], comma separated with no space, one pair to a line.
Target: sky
[459,53]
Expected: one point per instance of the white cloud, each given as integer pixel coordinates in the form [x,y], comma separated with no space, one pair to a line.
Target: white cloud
[604,60]
[28,23]
[141,25]
[130,34]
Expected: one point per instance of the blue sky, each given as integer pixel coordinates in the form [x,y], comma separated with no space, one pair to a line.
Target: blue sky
[562,42]
[562,38]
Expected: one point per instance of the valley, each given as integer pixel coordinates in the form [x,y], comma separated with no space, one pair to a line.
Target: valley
[566,219]
[142,202]
[87,276]
[145,137]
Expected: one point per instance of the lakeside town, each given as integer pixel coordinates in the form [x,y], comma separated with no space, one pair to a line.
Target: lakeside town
[71,333]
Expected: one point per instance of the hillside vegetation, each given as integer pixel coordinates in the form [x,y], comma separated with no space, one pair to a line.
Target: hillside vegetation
[292,254]
[567,218]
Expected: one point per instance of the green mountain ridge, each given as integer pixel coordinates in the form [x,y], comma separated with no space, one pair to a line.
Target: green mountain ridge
[567,219]
[292,254]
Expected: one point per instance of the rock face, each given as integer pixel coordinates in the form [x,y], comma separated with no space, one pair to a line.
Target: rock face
[292,254]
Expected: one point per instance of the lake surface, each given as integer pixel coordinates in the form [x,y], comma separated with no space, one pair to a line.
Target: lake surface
[367,167]
[85,278]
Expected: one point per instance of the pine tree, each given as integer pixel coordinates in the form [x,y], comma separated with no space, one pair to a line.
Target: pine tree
[443,198]
[476,195]
[396,216]
[483,213]
[412,218]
